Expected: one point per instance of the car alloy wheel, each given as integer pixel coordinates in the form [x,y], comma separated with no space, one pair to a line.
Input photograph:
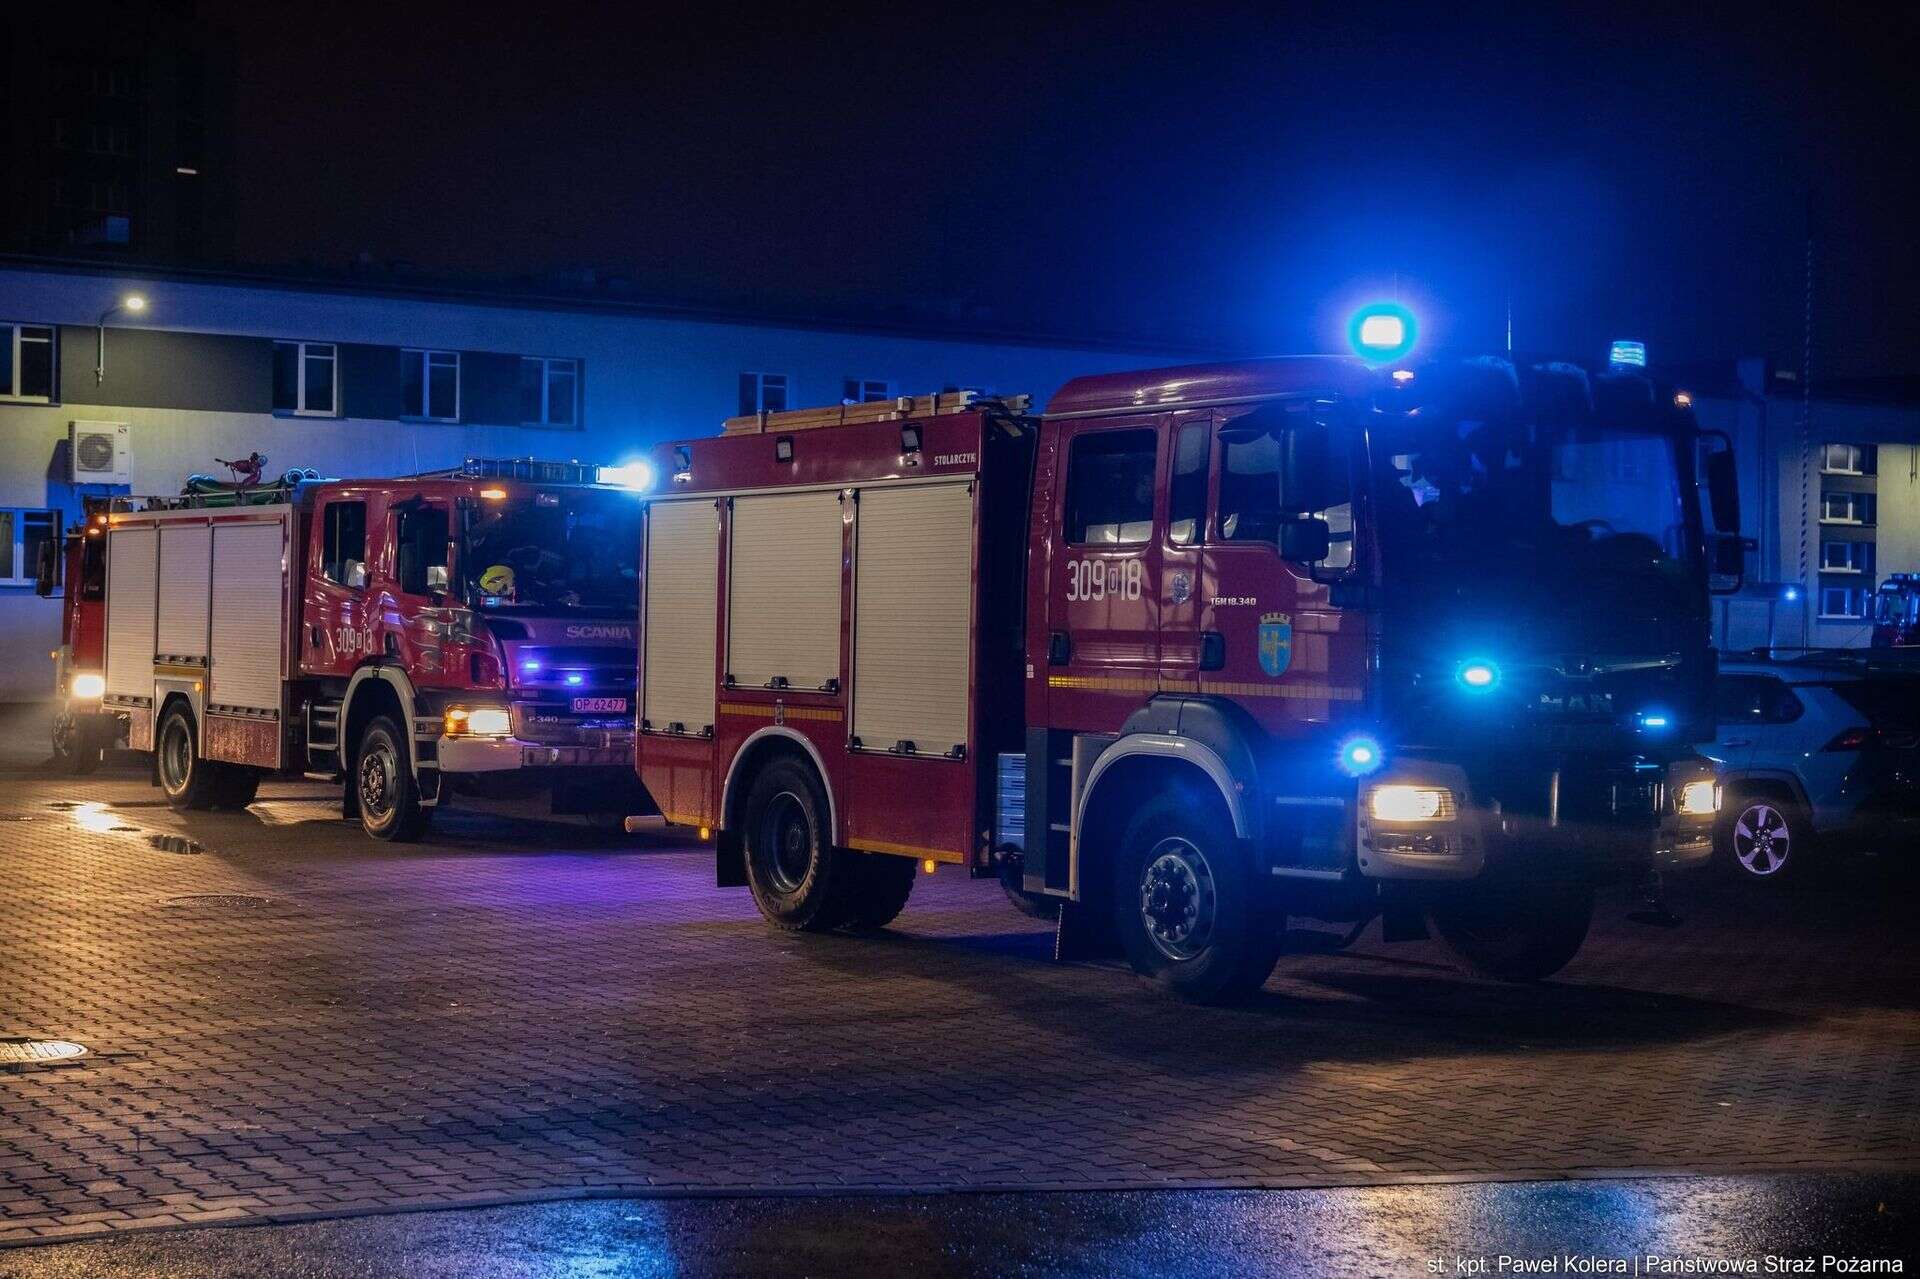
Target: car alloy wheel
[1762,839]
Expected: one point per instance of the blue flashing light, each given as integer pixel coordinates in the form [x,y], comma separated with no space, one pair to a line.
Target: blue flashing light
[575,679]
[1655,721]
[1382,332]
[1790,594]
[1360,756]
[636,474]
[531,666]
[1627,355]
[1478,676]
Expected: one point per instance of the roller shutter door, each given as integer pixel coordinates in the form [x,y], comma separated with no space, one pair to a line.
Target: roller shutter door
[249,625]
[913,602]
[783,606]
[132,556]
[677,633]
[185,554]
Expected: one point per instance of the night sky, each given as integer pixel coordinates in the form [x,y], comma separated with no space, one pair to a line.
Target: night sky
[1231,178]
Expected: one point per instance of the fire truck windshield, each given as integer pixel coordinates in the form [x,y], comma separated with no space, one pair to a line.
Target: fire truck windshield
[1566,500]
[558,549]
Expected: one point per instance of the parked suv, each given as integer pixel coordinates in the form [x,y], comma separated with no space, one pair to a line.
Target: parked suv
[1815,747]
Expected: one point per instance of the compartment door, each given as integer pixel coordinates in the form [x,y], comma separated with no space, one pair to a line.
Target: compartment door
[186,552]
[133,556]
[913,617]
[783,600]
[677,629]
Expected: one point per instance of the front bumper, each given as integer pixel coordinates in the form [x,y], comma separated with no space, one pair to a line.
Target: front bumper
[1640,830]
[471,754]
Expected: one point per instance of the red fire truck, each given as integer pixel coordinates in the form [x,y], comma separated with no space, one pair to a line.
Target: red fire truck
[411,638]
[1198,650]
[81,729]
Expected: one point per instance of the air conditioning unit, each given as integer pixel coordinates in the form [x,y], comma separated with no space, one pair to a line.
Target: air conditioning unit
[100,453]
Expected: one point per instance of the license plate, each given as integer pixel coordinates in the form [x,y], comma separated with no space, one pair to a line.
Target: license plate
[598,705]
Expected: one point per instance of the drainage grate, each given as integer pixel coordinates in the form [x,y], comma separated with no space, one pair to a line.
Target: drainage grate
[38,1052]
[175,843]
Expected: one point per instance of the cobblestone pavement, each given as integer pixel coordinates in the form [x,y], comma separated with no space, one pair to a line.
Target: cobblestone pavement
[295,1021]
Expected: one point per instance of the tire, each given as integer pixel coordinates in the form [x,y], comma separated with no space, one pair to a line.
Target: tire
[881,884]
[238,787]
[384,789]
[188,781]
[1514,934]
[1762,838]
[76,749]
[799,880]
[1184,903]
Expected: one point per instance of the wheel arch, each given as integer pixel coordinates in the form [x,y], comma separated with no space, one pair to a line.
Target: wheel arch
[753,753]
[1764,782]
[374,689]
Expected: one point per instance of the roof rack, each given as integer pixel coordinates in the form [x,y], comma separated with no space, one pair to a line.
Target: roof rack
[536,470]
[893,410]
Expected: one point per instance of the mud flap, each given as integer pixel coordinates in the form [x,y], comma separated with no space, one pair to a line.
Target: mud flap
[729,860]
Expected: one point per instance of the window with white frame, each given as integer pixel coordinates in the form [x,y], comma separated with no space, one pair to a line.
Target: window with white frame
[763,393]
[1843,601]
[430,385]
[864,390]
[1847,459]
[549,391]
[306,378]
[23,531]
[1846,508]
[1846,557]
[26,362]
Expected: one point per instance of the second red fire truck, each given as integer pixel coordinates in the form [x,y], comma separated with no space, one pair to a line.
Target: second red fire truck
[1198,650]
[411,638]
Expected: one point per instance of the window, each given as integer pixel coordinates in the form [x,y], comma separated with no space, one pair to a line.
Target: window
[1755,699]
[1843,601]
[1846,557]
[420,543]
[22,533]
[1846,508]
[763,393]
[1110,487]
[549,391]
[306,378]
[856,390]
[1848,459]
[430,385]
[344,539]
[1250,489]
[1187,497]
[26,362]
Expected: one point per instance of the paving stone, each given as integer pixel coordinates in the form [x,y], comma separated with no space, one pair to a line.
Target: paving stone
[519,1009]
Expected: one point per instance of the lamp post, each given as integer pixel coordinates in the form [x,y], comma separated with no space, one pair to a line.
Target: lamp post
[133,304]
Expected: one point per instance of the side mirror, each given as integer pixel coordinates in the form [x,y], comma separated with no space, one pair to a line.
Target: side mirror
[1723,491]
[356,574]
[436,577]
[46,569]
[1727,562]
[1307,541]
[1306,467]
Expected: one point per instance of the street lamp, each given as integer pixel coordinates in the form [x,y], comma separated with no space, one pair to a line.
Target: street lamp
[133,304]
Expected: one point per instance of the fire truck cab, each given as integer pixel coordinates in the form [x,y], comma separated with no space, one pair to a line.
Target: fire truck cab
[81,729]
[1196,651]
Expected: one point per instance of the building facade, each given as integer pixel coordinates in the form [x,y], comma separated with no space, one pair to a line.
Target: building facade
[367,381]
[1830,489]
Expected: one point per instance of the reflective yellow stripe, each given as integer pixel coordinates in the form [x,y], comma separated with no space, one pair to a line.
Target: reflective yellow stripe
[766,711]
[1223,688]
[905,850]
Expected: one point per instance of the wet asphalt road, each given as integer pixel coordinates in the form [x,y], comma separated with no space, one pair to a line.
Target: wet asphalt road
[1393,1231]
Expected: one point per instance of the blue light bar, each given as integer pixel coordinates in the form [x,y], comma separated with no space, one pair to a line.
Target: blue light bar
[1478,676]
[1382,332]
[1627,355]
[1360,755]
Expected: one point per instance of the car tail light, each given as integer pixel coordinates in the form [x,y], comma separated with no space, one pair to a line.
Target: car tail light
[1857,738]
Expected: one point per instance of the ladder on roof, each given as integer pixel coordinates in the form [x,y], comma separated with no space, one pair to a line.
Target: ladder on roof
[897,409]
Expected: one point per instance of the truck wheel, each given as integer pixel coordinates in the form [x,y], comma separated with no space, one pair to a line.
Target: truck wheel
[1762,837]
[881,884]
[1514,934]
[188,781]
[75,749]
[1184,905]
[383,785]
[238,787]
[799,880]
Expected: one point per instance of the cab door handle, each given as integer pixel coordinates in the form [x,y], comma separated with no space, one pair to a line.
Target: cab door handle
[1059,648]
[1213,651]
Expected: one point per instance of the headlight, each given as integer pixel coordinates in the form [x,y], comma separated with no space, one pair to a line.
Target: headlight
[480,721]
[1411,804]
[88,687]
[1698,799]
